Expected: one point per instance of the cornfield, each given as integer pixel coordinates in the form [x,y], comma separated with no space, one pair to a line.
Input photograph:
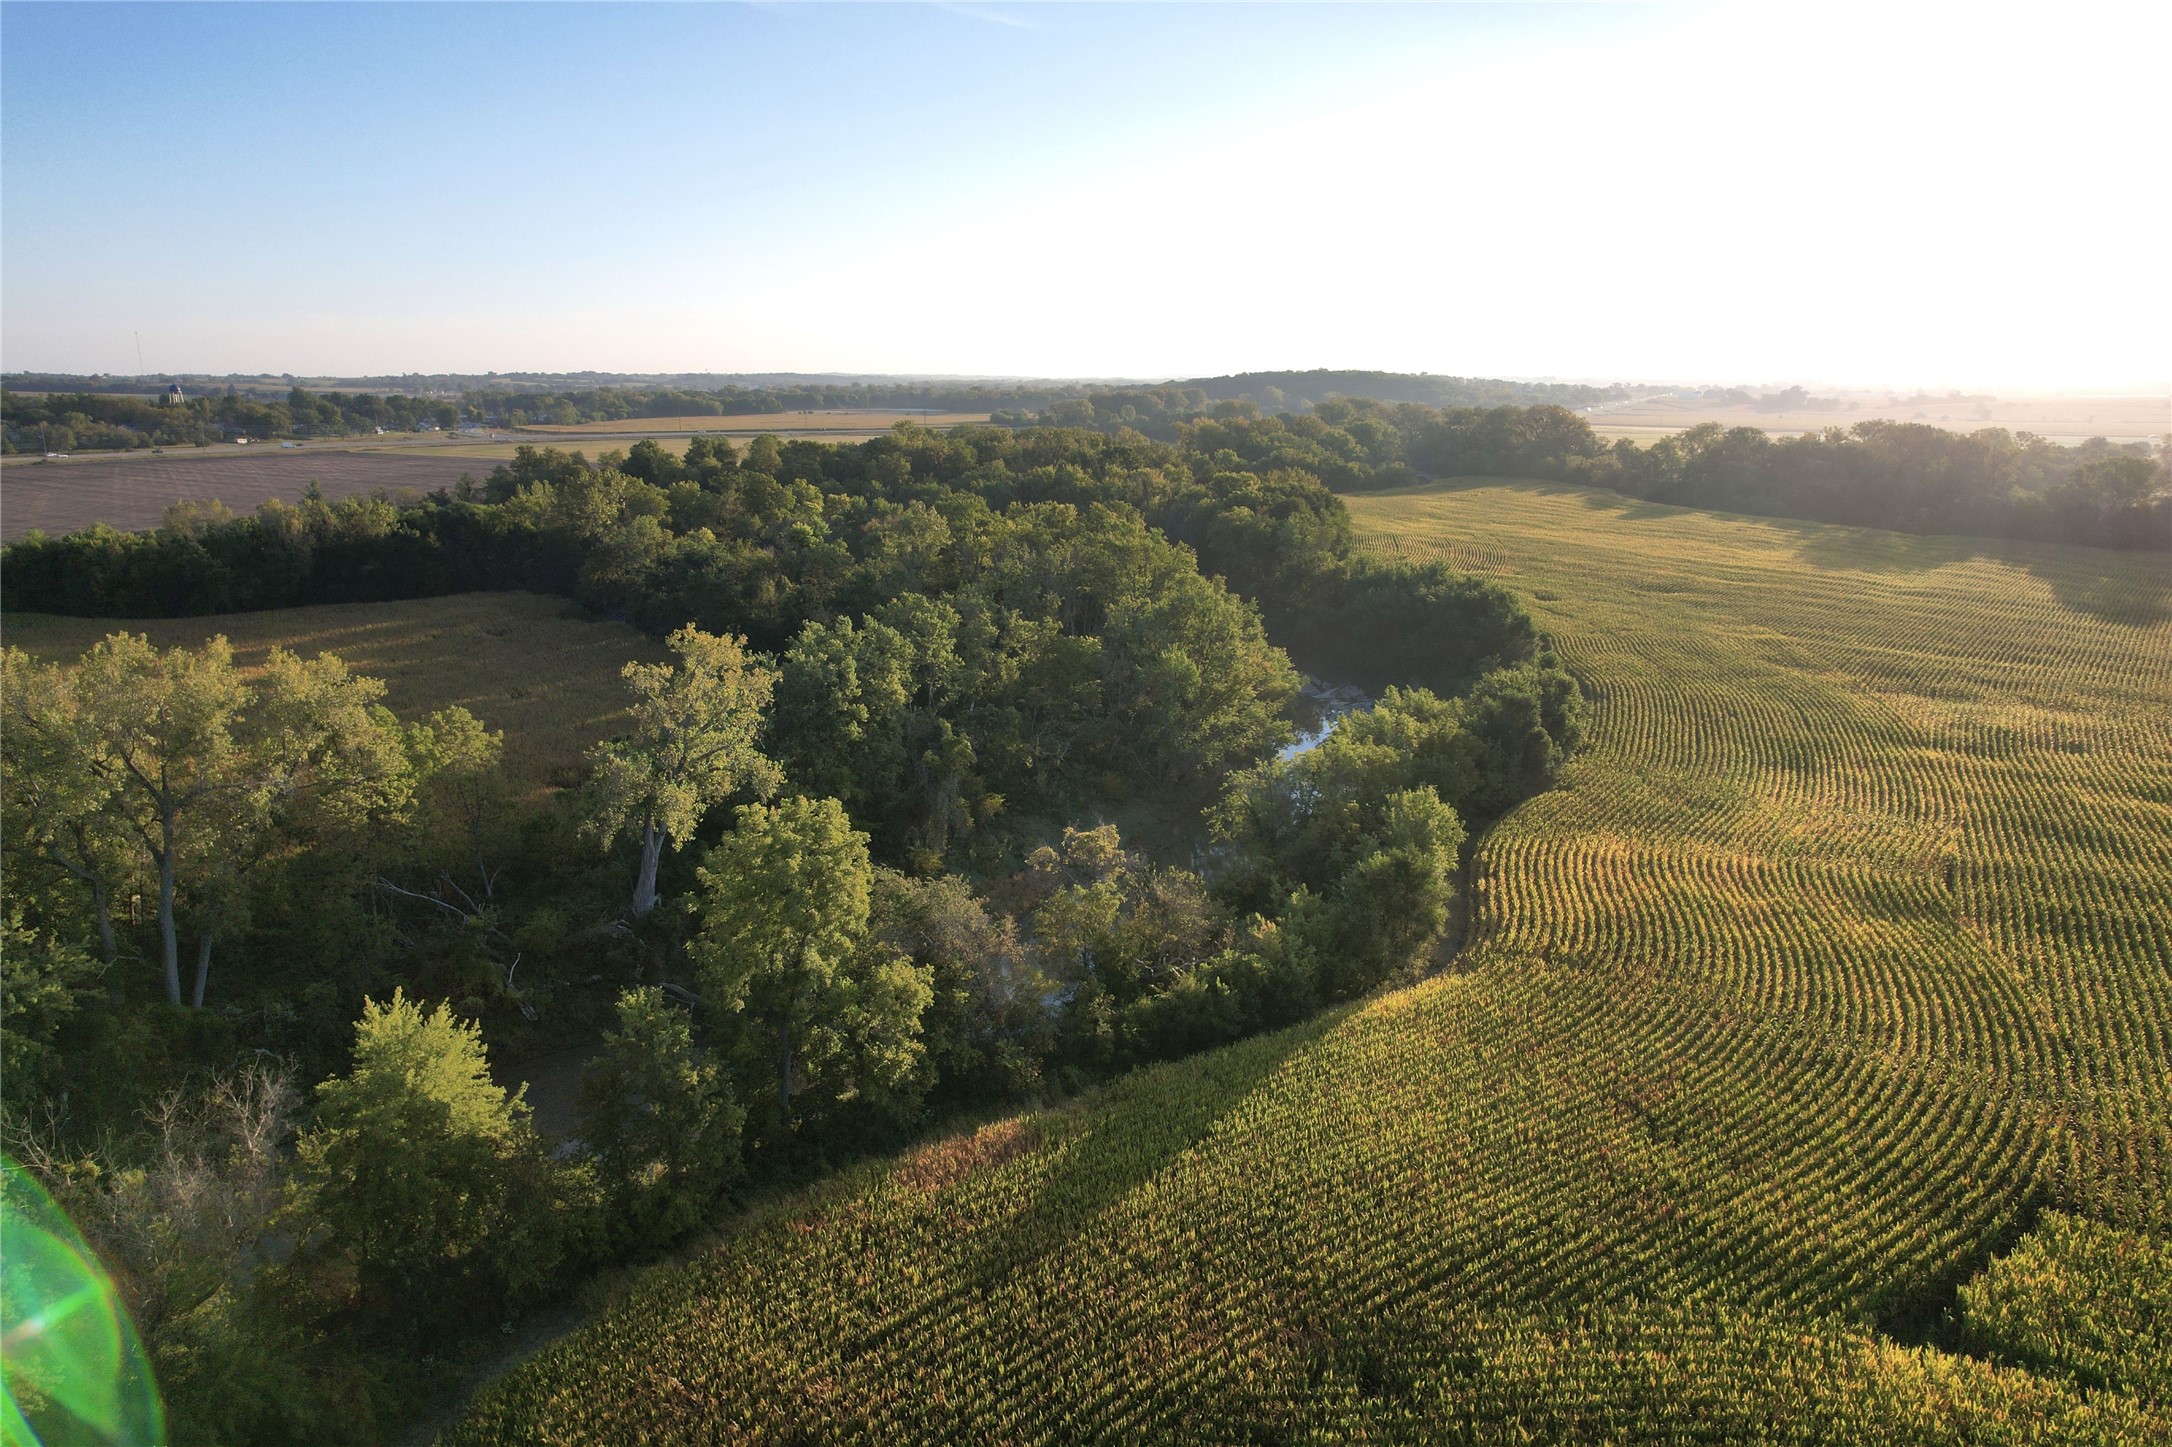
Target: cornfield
[1796,1029]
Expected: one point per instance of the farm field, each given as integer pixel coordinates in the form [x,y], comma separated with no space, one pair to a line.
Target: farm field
[1834,972]
[486,451]
[2062,419]
[132,492]
[530,665]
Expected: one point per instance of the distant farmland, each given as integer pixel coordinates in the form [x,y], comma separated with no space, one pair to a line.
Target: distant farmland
[133,493]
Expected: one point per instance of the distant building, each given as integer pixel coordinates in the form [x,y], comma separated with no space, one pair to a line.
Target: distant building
[173,395]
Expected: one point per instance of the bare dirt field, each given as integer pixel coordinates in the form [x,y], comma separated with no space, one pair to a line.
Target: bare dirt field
[2062,419]
[133,492]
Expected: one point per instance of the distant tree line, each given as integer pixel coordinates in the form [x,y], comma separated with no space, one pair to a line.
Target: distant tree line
[1158,411]
[1348,429]
[1295,391]
[1908,477]
[64,414]
[1900,475]
[88,421]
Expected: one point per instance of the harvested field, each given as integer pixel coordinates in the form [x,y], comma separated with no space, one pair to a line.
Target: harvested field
[537,667]
[134,492]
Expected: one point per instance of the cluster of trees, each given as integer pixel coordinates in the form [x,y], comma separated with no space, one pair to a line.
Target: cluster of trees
[761,539]
[68,416]
[1787,399]
[171,772]
[561,406]
[1349,430]
[281,1253]
[842,874]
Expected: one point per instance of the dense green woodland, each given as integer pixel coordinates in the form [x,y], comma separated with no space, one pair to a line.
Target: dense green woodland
[961,788]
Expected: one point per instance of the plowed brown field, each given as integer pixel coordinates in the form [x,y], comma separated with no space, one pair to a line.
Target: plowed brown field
[134,492]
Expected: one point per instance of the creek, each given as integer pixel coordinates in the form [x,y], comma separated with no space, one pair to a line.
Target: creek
[1319,707]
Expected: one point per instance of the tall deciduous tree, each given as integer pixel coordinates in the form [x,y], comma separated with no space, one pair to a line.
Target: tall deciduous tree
[159,728]
[53,806]
[321,763]
[783,945]
[466,803]
[692,745]
[201,773]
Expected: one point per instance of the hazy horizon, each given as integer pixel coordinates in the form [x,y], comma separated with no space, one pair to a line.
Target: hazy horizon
[1647,195]
[640,376]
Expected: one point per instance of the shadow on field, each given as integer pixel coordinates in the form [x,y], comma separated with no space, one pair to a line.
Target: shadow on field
[1620,504]
[1868,550]
[1138,1127]
[2129,601]
[2109,585]
[1598,499]
[1928,1312]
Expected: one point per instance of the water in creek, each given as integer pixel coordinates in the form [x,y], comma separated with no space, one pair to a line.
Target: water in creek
[1318,709]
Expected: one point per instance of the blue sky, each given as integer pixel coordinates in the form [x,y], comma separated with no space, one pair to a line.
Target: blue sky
[1079,190]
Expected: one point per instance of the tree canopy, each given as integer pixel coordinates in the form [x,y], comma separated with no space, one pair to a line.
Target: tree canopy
[692,746]
[784,948]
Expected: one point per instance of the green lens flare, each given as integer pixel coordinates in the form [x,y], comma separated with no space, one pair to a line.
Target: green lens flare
[72,1369]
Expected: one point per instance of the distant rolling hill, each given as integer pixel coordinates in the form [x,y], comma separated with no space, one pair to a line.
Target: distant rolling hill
[1298,389]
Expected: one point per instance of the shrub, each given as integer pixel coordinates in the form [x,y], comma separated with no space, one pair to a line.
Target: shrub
[662,1120]
[424,1183]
